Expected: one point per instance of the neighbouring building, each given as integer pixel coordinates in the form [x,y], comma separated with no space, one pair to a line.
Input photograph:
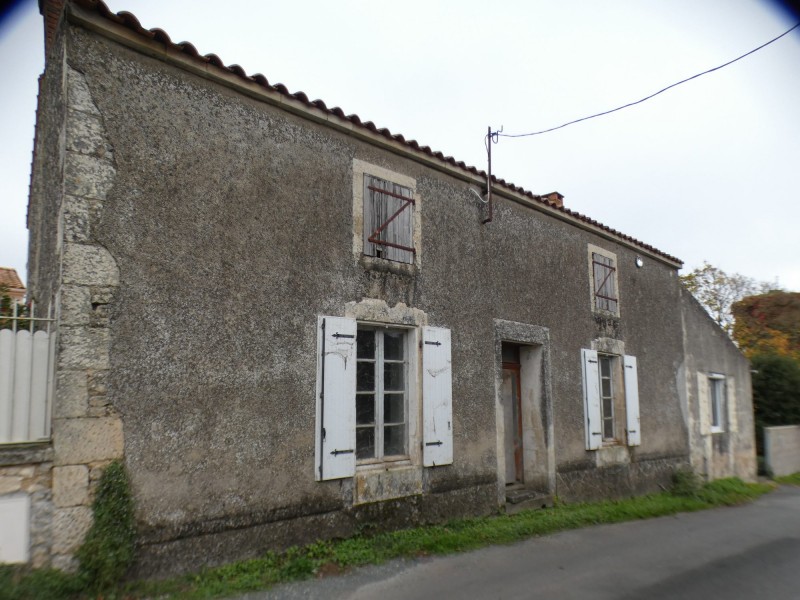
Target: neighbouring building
[11,285]
[291,324]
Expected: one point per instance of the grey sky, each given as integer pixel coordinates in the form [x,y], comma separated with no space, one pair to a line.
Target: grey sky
[708,170]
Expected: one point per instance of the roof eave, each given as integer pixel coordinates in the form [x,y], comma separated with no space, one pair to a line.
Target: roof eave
[169,53]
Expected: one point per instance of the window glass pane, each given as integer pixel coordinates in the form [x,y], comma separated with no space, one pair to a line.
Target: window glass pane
[608,407]
[393,345]
[365,376]
[365,409]
[365,344]
[608,429]
[394,440]
[365,442]
[393,375]
[715,401]
[605,366]
[394,408]
[606,387]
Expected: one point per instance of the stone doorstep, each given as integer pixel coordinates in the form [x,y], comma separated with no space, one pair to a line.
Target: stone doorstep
[519,498]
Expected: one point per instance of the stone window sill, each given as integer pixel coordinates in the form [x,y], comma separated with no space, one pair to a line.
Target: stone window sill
[26,453]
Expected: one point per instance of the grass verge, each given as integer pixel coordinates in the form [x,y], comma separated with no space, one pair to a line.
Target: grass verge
[324,558]
[789,479]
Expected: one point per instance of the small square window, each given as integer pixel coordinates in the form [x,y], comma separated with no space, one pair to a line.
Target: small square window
[603,281]
[388,220]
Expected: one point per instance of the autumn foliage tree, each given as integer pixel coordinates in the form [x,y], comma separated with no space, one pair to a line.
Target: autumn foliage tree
[768,324]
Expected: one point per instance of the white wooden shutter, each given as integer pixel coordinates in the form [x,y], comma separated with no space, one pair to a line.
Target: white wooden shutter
[335,449]
[632,400]
[703,404]
[591,396]
[730,401]
[437,397]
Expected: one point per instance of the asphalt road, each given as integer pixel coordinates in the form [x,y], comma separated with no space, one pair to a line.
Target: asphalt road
[750,551]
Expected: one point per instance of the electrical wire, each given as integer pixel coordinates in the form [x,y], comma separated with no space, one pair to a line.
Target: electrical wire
[661,91]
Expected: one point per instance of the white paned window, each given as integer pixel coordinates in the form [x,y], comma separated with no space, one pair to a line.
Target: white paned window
[381,394]
[607,396]
[609,391]
[388,220]
[717,404]
[369,380]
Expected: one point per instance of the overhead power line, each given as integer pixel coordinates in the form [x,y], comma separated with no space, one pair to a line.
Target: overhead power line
[661,91]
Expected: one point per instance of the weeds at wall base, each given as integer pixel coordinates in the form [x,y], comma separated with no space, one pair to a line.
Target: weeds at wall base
[322,558]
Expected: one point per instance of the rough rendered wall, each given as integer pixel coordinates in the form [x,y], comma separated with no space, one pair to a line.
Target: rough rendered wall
[230,223]
[708,349]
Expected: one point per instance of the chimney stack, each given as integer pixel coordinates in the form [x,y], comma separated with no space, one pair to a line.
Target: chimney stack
[555,199]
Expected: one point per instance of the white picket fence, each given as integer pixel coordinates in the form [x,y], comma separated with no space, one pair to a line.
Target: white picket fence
[26,377]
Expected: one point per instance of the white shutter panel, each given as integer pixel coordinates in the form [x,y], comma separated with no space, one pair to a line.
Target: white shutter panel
[591,396]
[730,400]
[335,449]
[437,397]
[632,401]
[703,404]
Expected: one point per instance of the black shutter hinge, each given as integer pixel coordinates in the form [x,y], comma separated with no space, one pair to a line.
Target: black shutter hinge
[439,443]
[338,452]
[343,335]
[434,343]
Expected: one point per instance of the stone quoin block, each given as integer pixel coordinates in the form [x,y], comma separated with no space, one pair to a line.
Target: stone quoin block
[81,441]
[70,486]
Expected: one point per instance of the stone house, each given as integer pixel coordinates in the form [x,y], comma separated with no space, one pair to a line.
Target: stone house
[11,285]
[291,324]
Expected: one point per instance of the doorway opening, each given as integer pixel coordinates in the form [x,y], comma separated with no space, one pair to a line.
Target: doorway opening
[511,402]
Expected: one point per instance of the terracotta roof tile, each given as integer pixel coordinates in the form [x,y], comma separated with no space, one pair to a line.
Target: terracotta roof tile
[129,21]
[9,279]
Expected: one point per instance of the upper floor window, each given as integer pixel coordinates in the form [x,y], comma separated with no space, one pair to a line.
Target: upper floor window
[388,223]
[603,269]
[385,214]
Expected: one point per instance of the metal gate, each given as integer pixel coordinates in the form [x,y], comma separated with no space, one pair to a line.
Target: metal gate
[27,353]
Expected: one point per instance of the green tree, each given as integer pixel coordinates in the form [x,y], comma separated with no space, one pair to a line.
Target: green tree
[776,392]
[717,291]
[7,311]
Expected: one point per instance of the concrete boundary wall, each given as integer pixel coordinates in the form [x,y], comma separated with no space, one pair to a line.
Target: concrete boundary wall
[782,449]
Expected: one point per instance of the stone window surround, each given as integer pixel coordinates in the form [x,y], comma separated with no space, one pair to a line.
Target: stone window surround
[379,481]
[361,168]
[613,452]
[592,249]
[717,381]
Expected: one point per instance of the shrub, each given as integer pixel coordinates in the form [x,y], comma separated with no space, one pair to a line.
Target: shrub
[108,551]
